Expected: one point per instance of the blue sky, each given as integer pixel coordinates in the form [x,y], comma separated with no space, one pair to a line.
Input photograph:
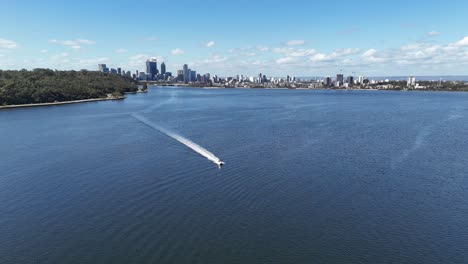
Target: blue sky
[299,38]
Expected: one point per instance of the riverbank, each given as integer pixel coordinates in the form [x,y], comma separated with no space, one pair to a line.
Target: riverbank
[63,103]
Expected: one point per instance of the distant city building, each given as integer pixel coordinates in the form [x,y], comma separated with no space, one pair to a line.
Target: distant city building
[180,75]
[152,68]
[186,71]
[119,71]
[103,68]
[327,81]
[163,68]
[361,79]
[340,78]
[142,76]
[193,76]
[411,81]
[350,81]
[113,71]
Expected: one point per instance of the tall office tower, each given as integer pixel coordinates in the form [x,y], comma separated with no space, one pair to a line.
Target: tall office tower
[327,81]
[152,68]
[340,78]
[193,76]
[186,73]
[361,79]
[102,67]
[119,71]
[163,68]
[350,81]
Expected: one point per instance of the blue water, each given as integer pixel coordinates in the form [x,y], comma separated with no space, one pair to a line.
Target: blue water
[310,177]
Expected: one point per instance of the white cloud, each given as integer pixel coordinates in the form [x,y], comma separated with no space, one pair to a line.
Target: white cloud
[44,51]
[334,55]
[433,33]
[369,53]
[74,44]
[138,62]
[285,60]
[120,50]
[86,41]
[461,43]
[93,62]
[177,52]
[7,44]
[262,48]
[295,43]
[293,52]
[210,44]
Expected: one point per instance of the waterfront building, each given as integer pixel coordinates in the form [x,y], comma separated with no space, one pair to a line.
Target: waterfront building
[411,81]
[186,71]
[361,79]
[163,68]
[152,68]
[193,76]
[350,81]
[340,78]
[142,76]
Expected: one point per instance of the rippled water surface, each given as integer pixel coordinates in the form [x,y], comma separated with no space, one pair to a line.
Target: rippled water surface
[310,177]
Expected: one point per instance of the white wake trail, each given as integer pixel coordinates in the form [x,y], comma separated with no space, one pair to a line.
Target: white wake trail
[195,147]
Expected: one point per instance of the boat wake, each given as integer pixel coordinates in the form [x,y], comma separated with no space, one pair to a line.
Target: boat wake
[195,147]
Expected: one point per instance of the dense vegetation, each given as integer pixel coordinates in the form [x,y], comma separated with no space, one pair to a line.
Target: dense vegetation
[46,86]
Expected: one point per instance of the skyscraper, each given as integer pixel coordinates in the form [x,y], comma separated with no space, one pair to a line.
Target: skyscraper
[340,78]
[193,76]
[350,81]
[186,73]
[163,68]
[152,68]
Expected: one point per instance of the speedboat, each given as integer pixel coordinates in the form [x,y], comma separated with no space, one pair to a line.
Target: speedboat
[220,163]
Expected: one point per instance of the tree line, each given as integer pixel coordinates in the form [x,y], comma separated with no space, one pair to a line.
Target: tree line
[47,86]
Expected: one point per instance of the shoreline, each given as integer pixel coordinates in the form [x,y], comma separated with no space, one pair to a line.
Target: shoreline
[311,89]
[62,103]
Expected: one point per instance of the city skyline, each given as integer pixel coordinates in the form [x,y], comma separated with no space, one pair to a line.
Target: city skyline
[281,38]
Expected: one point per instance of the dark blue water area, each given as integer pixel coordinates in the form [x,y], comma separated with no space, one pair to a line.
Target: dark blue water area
[310,177]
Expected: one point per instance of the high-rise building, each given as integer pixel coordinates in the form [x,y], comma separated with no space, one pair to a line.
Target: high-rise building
[180,75]
[340,78]
[163,68]
[193,76]
[102,67]
[327,81]
[152,68]
[350,81]
[361,79]
[186,73]
[411,81]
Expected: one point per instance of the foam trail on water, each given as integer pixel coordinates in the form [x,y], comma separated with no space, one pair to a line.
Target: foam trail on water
[195,147]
